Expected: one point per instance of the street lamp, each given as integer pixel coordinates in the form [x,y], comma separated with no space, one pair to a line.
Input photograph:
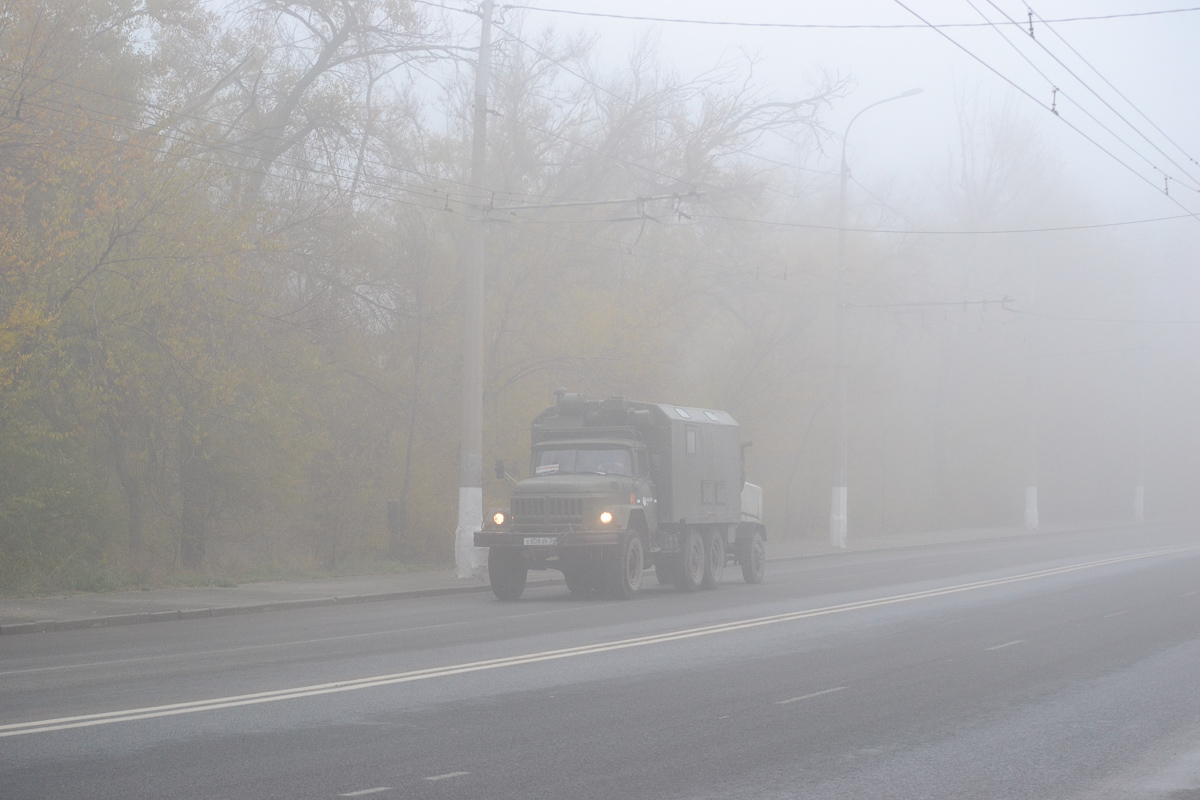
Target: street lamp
[837,511]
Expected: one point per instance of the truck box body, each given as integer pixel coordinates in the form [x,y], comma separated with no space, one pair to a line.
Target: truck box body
[695,453]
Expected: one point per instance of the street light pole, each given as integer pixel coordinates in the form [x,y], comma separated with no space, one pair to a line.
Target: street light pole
[837,512]
[468,559]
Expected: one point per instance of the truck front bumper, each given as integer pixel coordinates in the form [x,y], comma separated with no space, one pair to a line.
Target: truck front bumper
[548,545]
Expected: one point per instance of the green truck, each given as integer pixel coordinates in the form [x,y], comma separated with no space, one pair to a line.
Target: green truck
[617,485]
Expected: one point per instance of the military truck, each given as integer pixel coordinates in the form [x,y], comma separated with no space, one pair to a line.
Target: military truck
[616,485]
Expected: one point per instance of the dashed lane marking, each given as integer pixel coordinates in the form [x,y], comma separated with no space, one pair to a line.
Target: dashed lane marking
[1006,644]
[151,712]
[1116,614]
[808,696]
[447,775]
[361,792]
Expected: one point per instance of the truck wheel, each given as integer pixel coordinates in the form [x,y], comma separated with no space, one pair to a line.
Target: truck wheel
[752,555]
[507,573]
[580,578]
[714,560]
[624,573]
[689,569]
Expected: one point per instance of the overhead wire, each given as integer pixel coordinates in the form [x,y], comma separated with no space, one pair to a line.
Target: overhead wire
[1062,93]
[1045,107]
[817,26]
[1050,28]
[1097,95]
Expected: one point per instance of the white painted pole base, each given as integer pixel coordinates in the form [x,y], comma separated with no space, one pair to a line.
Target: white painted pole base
[469,560]
[837,517]
[1139,503]
[1031,508]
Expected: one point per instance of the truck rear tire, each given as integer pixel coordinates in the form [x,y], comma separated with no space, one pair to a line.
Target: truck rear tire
[507,574]
[752,555]
[714,560]
[623,575]
[689,569]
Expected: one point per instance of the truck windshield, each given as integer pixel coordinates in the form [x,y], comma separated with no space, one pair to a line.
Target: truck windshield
[579,460]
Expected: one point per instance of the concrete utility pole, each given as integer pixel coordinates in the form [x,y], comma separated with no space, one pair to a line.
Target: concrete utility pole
[838,505]
[1032,523]
[1139,490]
[468,559]
[1139,478]
[1032,398]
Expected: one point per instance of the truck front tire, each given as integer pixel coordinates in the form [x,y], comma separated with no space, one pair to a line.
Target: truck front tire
[507,573]
[624,573]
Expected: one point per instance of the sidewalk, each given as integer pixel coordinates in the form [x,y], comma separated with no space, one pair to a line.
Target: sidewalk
[38,614]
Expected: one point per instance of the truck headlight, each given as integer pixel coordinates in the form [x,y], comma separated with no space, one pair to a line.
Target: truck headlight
[499,519]
[605,517]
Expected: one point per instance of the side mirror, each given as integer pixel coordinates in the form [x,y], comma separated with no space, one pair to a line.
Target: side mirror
[499,469]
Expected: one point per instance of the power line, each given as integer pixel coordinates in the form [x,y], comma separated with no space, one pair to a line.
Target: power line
[1097,95]
[1020,89]
[816,26]
[1114,88]
[1056,229]
[1116,321]
[1059,91]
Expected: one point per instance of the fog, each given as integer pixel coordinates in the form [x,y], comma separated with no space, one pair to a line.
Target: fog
[231,308]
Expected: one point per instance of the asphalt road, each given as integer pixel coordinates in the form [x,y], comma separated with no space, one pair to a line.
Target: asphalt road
[1057,666]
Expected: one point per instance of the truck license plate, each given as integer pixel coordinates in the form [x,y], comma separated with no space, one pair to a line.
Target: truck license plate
[540,540]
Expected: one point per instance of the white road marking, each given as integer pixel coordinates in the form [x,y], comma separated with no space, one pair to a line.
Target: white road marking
[447,775]
[130,715]
[808,696]
[1006,644]
[361,792]
[293,643]
[1188,594]
[1115,614]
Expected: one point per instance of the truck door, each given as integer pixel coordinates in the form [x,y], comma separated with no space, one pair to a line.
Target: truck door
[644,491]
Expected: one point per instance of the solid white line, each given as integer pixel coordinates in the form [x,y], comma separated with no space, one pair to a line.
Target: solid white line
[807,696]
[292,643]
[1006,644]
[361,792]
[447,775]
[129,715]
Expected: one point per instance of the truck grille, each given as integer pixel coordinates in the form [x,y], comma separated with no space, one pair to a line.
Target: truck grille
[547,510]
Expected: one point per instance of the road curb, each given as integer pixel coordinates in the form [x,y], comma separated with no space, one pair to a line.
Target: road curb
[111,620]
[996,538]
